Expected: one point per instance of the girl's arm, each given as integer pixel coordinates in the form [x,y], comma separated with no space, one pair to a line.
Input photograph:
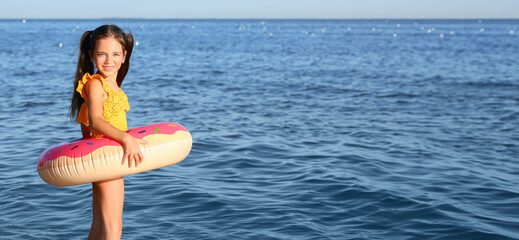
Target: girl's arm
[96,95]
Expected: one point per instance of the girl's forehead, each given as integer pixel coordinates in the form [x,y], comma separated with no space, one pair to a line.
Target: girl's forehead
[108,43]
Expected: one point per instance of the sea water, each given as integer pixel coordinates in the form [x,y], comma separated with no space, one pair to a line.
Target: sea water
[302,129]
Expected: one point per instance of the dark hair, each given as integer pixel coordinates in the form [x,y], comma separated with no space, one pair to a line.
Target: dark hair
[85,64]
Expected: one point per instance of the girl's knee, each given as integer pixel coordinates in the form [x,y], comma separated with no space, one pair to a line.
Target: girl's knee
[113,230]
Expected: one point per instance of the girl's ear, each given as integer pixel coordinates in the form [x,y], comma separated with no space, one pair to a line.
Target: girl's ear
[124,55]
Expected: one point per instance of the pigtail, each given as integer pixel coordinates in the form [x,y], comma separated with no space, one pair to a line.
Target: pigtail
[84,65]
[128,47]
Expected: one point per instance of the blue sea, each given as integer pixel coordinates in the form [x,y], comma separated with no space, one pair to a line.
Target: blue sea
[302,129]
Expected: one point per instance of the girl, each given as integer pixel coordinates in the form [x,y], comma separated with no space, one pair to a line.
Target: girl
[100,106]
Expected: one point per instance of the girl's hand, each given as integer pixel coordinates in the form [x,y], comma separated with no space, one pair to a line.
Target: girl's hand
[132,152]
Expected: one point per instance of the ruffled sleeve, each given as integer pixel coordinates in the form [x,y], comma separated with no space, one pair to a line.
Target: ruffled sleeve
[82,89]
[82,84]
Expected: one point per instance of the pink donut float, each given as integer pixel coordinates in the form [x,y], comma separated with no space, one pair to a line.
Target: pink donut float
[94,159]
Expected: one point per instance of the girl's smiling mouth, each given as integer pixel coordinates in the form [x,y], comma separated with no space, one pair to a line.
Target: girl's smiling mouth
[108,68]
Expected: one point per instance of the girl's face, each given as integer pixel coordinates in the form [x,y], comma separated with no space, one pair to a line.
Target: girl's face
[108,56]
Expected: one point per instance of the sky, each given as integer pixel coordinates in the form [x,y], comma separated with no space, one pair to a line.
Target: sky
[260,9]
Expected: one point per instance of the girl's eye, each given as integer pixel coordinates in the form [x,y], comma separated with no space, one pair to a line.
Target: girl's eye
[117,54]
[100,54]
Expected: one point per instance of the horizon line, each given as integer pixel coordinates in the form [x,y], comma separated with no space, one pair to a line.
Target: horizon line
[268,18]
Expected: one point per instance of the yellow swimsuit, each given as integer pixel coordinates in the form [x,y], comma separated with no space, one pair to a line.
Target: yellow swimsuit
[114,107]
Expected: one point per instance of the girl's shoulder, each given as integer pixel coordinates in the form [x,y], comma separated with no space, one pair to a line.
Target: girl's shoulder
[83,84]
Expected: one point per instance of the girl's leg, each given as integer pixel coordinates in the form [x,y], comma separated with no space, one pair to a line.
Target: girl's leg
[96,230]
[111,200]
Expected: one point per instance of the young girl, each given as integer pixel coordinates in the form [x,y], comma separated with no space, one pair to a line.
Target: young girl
[100,106]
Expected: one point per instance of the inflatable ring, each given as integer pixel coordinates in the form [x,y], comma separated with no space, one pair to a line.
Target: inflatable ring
[95,159]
